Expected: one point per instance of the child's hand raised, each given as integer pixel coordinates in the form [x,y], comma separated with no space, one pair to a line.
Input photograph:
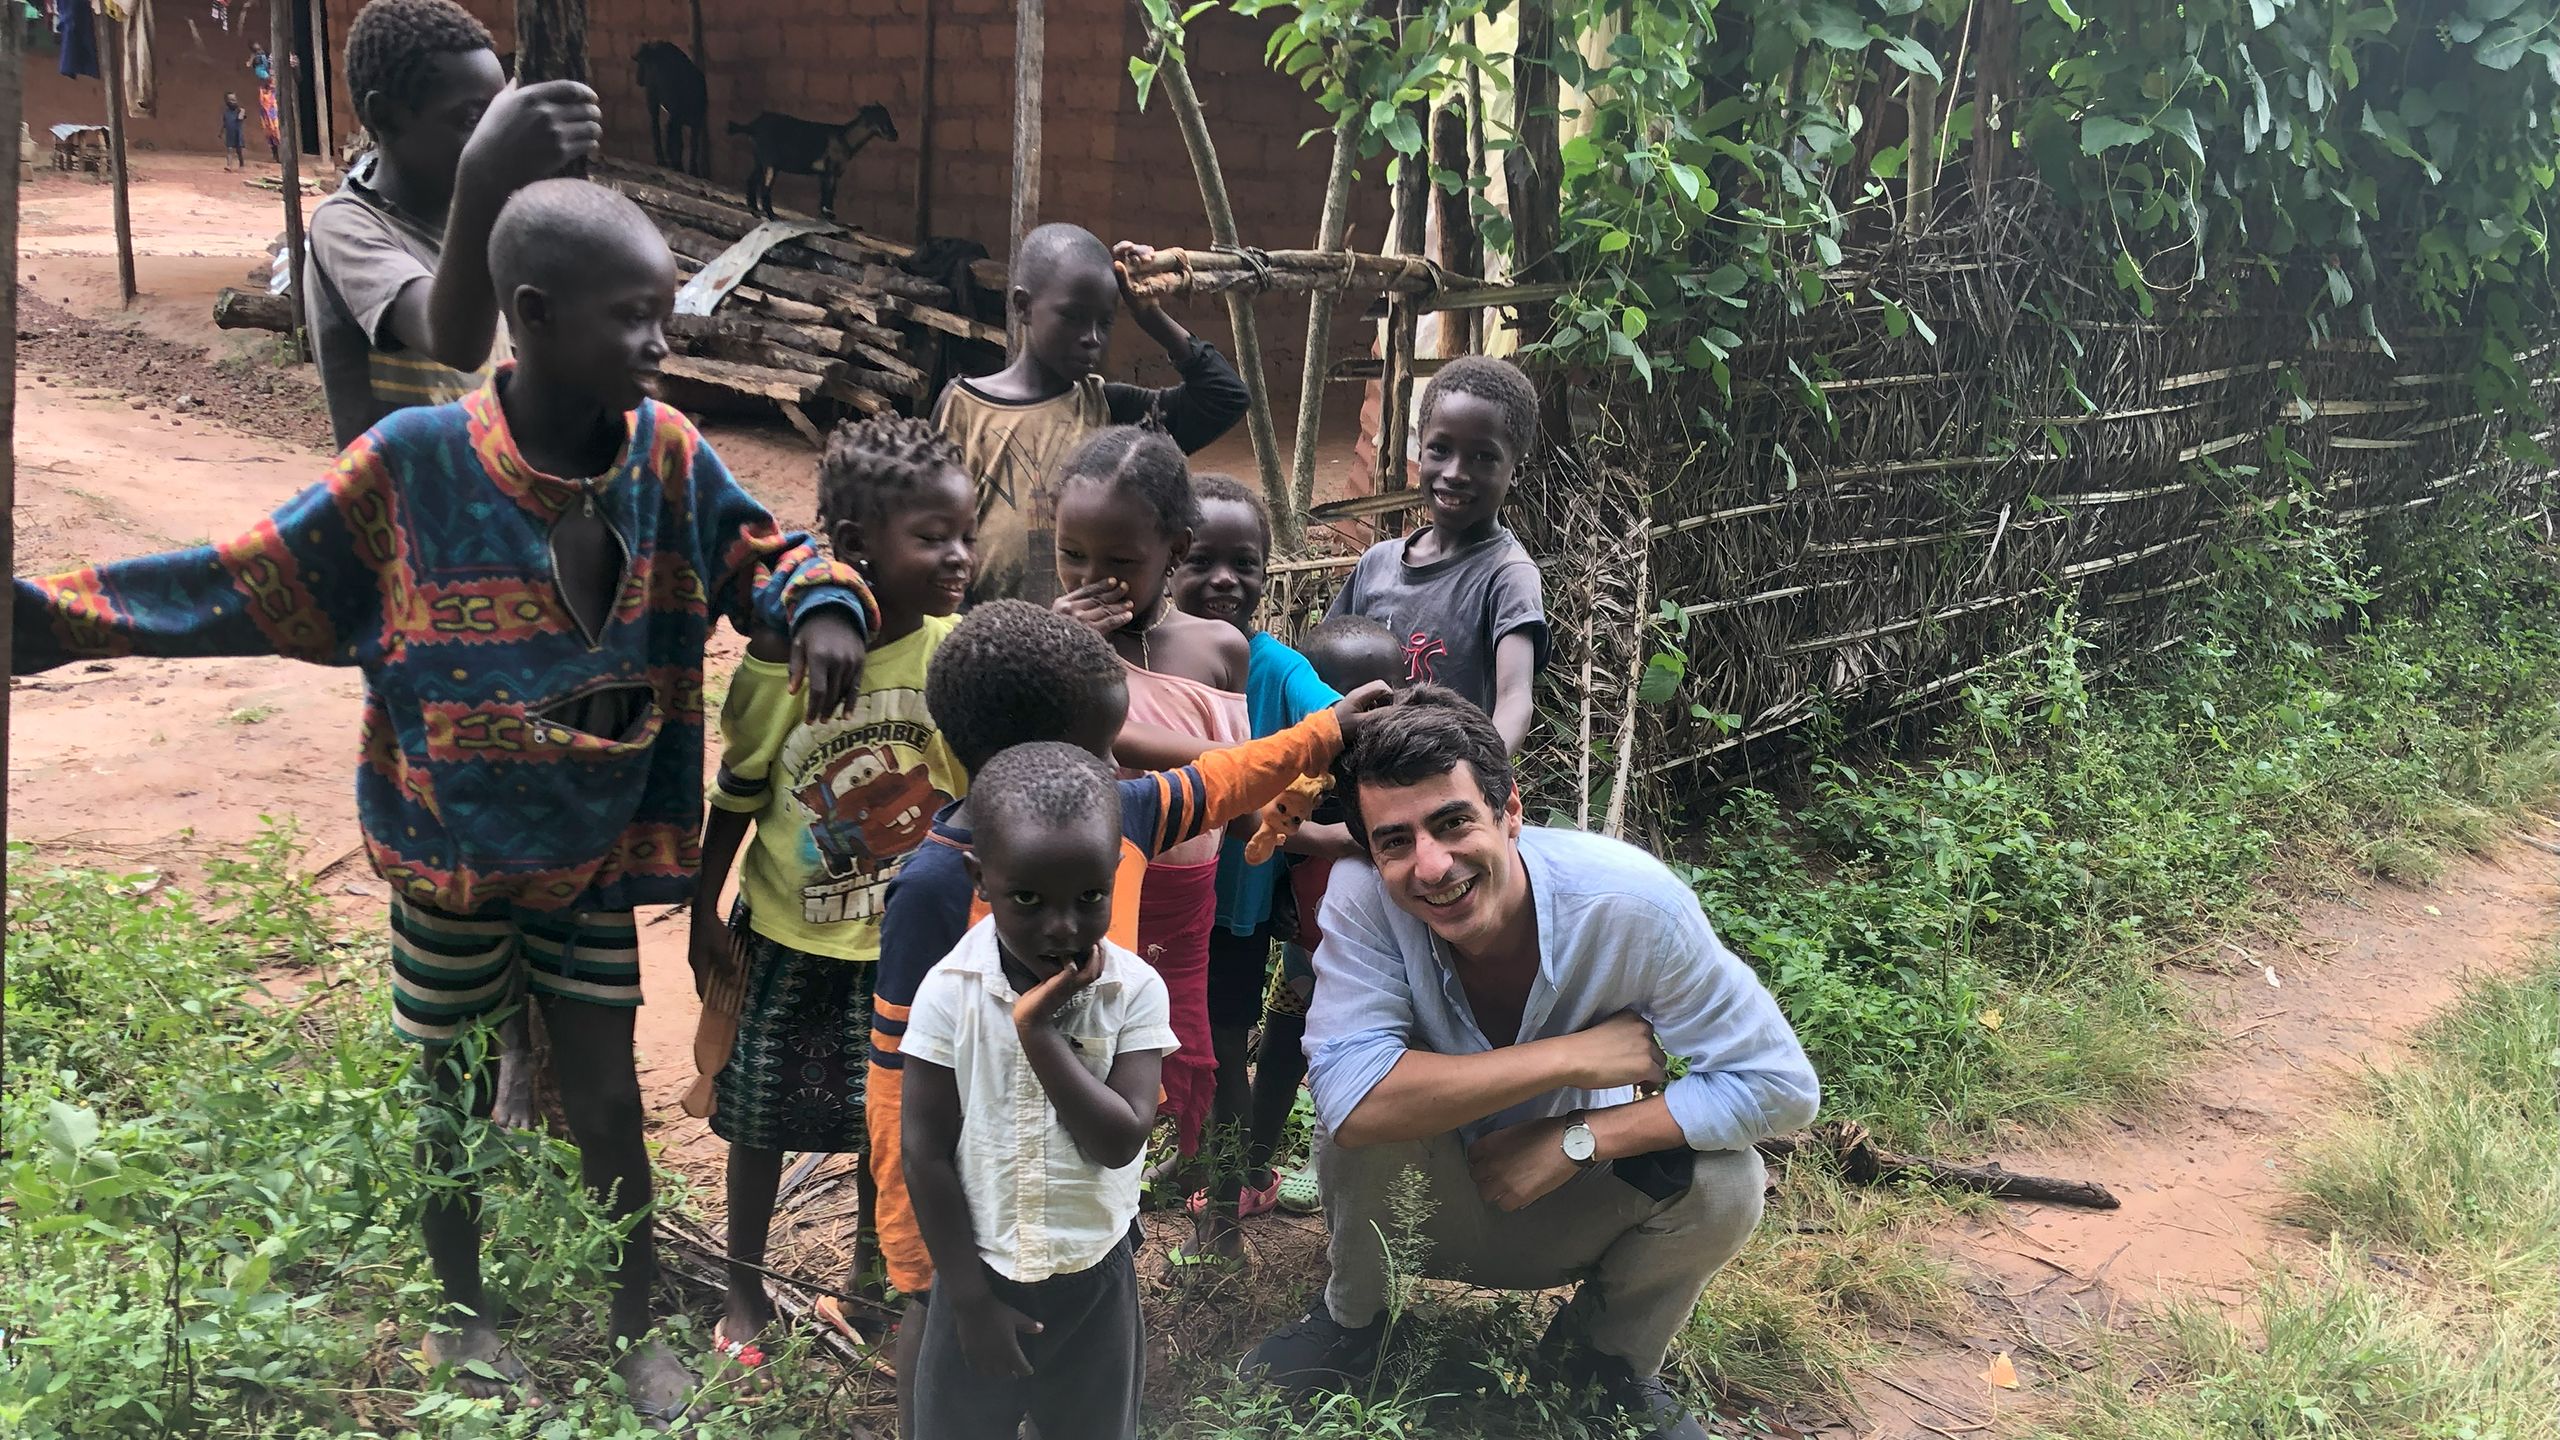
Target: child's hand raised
[1123,255]
[1348,710]
[1036,1009]
[991,1334]
[532,132]
[1103,604]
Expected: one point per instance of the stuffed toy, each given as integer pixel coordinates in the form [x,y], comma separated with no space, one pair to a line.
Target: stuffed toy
[1282,817]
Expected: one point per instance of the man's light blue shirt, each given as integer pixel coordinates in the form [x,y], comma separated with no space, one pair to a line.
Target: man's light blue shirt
[1616,931]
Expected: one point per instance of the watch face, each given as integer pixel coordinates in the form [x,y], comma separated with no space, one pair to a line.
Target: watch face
[1579,1145]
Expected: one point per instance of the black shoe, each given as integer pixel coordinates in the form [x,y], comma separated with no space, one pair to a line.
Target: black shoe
[1317,1353]
[1644,1398]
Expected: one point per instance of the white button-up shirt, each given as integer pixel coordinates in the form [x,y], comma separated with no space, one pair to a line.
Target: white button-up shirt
[1040,1205]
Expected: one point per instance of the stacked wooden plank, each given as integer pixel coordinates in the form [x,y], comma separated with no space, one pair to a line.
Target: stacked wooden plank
[823,317]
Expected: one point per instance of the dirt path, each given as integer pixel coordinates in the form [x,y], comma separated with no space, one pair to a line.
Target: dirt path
[2203,1178]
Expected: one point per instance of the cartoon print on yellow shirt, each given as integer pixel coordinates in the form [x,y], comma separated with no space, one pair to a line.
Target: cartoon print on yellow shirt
[867,797]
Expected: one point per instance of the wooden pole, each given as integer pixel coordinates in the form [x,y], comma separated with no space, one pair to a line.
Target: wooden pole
[551,40]
[1030,56]
[1240,317]
[924,130]
[111,55]
[1030,59]
[1333,227]
[289,151]
[12,109]
[320,82]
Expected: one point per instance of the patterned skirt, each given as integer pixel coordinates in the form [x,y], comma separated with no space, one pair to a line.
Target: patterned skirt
[794,1080]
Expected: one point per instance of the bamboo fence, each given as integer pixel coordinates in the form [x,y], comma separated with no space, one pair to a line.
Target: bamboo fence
[1846,574]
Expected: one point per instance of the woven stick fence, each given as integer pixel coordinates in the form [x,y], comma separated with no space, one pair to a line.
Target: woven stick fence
[2053,447]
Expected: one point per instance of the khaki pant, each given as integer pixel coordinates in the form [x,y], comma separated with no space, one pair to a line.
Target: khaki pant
[1640,1262]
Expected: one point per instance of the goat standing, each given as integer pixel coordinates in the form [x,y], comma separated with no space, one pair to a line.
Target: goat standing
[788,145]
[677,92]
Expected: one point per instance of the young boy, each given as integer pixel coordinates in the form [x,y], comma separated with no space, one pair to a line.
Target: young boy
[235,155]
[1347,651]
[1034,1052]
[393,325]
[1460,593]
[1014,426]
[1013,674]
[532,646]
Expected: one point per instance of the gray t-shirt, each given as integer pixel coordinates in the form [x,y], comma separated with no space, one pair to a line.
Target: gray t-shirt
[1450,614]
[363,255]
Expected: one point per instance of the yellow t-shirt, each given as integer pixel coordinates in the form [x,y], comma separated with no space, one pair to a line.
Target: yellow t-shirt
[837,805]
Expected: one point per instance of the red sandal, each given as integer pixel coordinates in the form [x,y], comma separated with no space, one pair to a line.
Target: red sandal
[1249,1203]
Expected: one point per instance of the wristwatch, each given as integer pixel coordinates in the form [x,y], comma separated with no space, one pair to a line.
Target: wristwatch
[1580,1145]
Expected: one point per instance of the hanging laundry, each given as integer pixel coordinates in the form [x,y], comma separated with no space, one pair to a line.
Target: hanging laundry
[141,64]
[222,15]
[79,28]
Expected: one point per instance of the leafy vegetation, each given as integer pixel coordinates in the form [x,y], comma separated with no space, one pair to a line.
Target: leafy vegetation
[211,1191]
[1971,935]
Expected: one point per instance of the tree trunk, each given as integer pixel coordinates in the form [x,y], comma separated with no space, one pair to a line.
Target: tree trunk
[1176,79]
[1995,67]
[111,46]
[12,86]
[289,151]
[1332,227]
[1920,161]
[551,40]
[1533,174]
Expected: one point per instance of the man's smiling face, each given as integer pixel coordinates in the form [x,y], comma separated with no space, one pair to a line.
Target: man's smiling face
[1449,857]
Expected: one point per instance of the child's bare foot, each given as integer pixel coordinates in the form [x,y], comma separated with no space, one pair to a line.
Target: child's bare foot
[482,1365]
[656,1385]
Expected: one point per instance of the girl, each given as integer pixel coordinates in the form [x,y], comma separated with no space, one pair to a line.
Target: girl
[784,1041]
[1125,515]
[263,71]
[1221,578]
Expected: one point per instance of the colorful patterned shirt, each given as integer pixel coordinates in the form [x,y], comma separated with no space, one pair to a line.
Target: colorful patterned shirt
[425,560]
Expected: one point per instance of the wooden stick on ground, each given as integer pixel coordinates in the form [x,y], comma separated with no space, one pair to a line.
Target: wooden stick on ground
[1868,1163]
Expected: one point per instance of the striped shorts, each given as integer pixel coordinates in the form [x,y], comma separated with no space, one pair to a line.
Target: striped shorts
[450,970]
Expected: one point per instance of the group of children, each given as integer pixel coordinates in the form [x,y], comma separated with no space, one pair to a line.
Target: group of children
[994,910]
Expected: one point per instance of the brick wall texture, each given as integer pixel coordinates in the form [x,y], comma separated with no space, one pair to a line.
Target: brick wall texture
[1105,165]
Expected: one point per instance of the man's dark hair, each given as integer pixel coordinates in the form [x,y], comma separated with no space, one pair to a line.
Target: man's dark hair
[551,233]
[1340,648]
[391,41]
[1050,248]
[1142,464]
[1228,488]
[1043,786]
[1012,673]
[873,468]
[1492,379]
[1421,733]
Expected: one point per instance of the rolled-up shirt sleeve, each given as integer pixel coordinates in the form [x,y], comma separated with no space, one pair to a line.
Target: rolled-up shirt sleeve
[1361,1020]
[1748,1077]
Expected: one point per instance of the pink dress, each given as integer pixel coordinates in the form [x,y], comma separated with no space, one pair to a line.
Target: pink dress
[1179,904]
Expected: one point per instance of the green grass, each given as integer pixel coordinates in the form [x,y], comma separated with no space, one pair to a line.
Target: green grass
[2435,1312]
[211,1193]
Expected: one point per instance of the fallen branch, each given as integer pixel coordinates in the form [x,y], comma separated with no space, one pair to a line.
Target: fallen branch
[252,310]
[1868,1163]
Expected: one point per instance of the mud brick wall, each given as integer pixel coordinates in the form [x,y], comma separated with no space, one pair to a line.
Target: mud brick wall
[1105,165]
[197,61]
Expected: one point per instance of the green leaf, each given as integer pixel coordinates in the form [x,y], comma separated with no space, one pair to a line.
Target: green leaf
[1921,324]
[1661,680]
[1689,181]
[1633,321]
[2262,13]
[69,1129]
[1405,134]
[1142,71]
[1614,241]
[2101,133]
[1897,321]
[2180,122]
[1826,249]
[1911,55]
[2502,50]
[2063,12]
[1834,24]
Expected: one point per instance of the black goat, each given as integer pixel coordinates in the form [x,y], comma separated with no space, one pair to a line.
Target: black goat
[788,145]
[677,92]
